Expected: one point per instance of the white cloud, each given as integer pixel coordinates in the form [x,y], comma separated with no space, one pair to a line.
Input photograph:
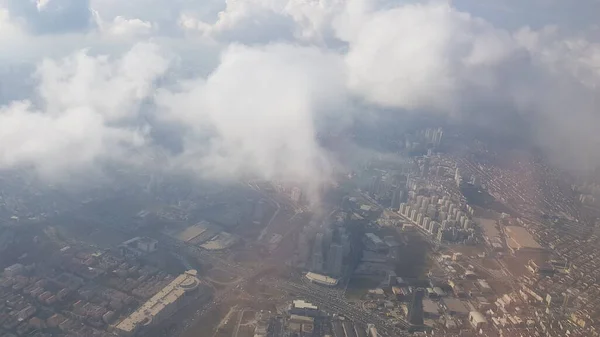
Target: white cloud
[260,124]
[112,88]
[163,13]
[41,4]
[124,27]
[190,23]
[9,29]
[256,112]
[259,21]
[57,145]
[422,56]
[85,112]
[562,98]
[576,56]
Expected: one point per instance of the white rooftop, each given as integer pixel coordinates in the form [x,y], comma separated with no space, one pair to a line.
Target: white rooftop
[302,304]
[321,278]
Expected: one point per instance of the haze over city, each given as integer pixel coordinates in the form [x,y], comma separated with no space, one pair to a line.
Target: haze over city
[299,167]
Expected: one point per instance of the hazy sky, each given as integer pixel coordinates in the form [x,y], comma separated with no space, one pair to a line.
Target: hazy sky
[241,86]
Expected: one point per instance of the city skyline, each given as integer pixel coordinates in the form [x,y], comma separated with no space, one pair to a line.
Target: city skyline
[299,168]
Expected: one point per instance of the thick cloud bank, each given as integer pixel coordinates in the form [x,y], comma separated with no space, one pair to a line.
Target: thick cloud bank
[112,73]
[83,112]
[258,109]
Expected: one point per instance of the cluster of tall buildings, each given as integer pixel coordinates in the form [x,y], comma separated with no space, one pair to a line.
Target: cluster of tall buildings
[474,180]
[389,189]
[424,140]
[379,185]
[322,249]
[438,216]
[434,136]
[398,195]
[295,193]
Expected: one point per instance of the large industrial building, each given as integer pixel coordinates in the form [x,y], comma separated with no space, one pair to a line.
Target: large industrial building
[519,239]
[322,279]
[303,308]
[162,305]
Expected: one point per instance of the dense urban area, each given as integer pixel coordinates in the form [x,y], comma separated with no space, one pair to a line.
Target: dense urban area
[440,233]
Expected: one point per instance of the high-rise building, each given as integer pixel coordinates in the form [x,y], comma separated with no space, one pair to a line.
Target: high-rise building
[346,244]
[426,222]
[334,259]
[431,212]
[445,224]
[296,194]
[437,136]
[440,234]
[375,185]
[327,236]
[402,208]
[407,211]
[451,209]
[429,133]
[400,180]
[426,166]
[420,219]
[317,255]
[419,201]
[372,330]
[463,221]
[412,195]
[442,216]
[457,177]
[415,309]
[384,186]
[396,197]
[304,247]
[434,227]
